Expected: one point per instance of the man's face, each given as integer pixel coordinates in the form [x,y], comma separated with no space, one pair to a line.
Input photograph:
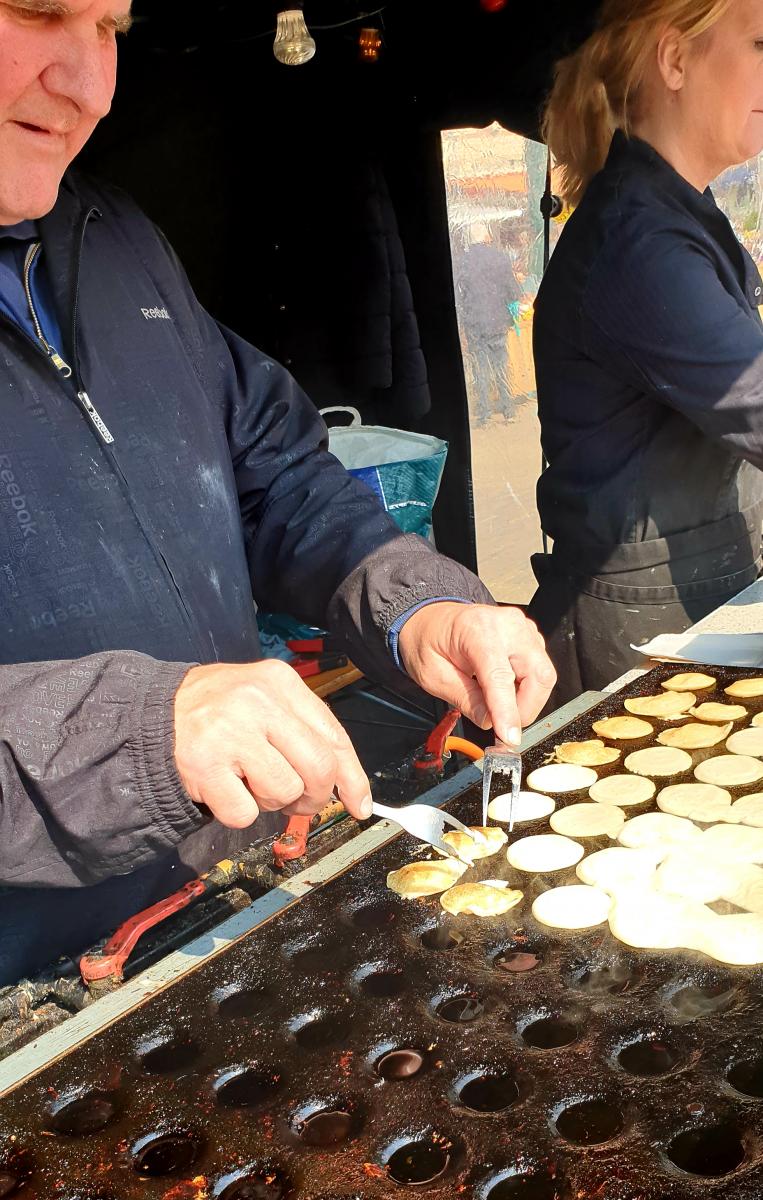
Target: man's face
[57,77]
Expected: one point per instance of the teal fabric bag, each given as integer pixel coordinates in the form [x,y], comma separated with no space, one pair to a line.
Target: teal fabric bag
[404,470]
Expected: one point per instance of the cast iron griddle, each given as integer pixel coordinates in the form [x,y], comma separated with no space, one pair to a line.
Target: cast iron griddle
[359,1045]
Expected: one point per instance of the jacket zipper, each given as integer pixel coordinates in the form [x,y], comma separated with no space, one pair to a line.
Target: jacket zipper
[53,354]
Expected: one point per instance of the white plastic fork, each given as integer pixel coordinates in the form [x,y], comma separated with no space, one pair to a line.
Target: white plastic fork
[427,823]
[505,761]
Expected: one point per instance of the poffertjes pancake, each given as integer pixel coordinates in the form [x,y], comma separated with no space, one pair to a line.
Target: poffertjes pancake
[588,820]
[736,939]
[733,843]
[659,762]
[623,729]
[662,706]
[757,720]
[746,741]
[619,867]
[749,810]
[544,852]
[480,899]
[697,735]
[652,920]
[659,829]
[528,806]
[745,689]
[702,802]
[561,778]
[719,714]
[729,770]
[419,879]
[574,907]
[747,891]
[623,790]
[466,847]
[695,876]
[592,753]
[689,681]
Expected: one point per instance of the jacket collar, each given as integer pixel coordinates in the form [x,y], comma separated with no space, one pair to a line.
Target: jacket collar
[639,158]
[61,233]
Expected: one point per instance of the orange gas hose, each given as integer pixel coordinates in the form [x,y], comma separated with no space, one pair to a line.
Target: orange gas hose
[461,746]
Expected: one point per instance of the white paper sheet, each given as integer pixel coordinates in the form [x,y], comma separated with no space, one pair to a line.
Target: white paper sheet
[715,649]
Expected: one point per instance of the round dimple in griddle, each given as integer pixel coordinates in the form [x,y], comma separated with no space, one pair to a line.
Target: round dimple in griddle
[541,1185]
[461,1009]
[711,1151]
[516,962]
[400,1064]
[159,1154]
[747,1077]
[16,1168]
[380,915]
[240,1003]
[246,1086]
[694,1001]
[252,1183]
[82,1114]
[439,937]
[324,1029]
[590,1122]
[168,1056]
[488,1092]
[604,979]
[420,1161]
[380,982]
[550,1033]
[649,1057]
[315,960]
[327,1127]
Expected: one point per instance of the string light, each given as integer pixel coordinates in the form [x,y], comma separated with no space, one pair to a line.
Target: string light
[293,44]
[369,44]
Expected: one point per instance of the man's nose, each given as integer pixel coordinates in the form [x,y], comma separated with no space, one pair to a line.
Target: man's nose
[82,72]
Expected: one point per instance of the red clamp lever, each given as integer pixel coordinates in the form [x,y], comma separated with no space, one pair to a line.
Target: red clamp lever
[110,962]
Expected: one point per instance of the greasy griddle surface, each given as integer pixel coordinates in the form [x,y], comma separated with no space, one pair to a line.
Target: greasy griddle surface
[311,1001]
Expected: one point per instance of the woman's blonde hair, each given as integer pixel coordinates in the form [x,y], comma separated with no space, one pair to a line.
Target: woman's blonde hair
[594,88]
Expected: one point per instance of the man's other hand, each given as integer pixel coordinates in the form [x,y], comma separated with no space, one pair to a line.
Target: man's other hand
[489,662]
[254,738]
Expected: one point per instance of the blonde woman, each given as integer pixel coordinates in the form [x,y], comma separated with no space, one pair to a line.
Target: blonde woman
[648,341]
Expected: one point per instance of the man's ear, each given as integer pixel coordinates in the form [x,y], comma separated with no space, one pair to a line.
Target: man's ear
[671,59]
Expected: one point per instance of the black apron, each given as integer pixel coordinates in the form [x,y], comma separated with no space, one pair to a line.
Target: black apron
[591,614]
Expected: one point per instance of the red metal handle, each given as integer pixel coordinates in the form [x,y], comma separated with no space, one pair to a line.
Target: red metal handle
[430,760]
[109,964]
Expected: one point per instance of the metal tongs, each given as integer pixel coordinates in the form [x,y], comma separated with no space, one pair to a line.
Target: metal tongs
[428,823]
[506,761]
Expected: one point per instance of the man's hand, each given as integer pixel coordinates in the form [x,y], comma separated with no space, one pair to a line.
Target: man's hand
[254,738]
[489,662]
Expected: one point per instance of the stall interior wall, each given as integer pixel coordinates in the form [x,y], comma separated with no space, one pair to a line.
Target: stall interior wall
[308,208]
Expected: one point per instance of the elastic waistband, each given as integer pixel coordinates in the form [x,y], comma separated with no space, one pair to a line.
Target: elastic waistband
[735,540]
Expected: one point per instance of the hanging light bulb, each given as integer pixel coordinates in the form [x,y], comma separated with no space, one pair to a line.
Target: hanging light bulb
[293,45]
[369,45]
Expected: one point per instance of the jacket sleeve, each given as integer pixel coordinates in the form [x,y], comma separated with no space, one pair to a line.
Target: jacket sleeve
[662,317]
[88,784]
[320,546]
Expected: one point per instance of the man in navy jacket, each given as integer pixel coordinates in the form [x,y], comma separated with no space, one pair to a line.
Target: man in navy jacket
[157,476]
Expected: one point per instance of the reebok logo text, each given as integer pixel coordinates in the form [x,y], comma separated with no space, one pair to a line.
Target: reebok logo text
[156,314]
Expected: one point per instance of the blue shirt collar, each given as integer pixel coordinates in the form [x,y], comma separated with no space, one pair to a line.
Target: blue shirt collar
[24,231]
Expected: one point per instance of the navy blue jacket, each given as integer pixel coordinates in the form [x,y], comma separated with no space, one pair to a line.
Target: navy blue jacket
[136,556]
[649,355]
